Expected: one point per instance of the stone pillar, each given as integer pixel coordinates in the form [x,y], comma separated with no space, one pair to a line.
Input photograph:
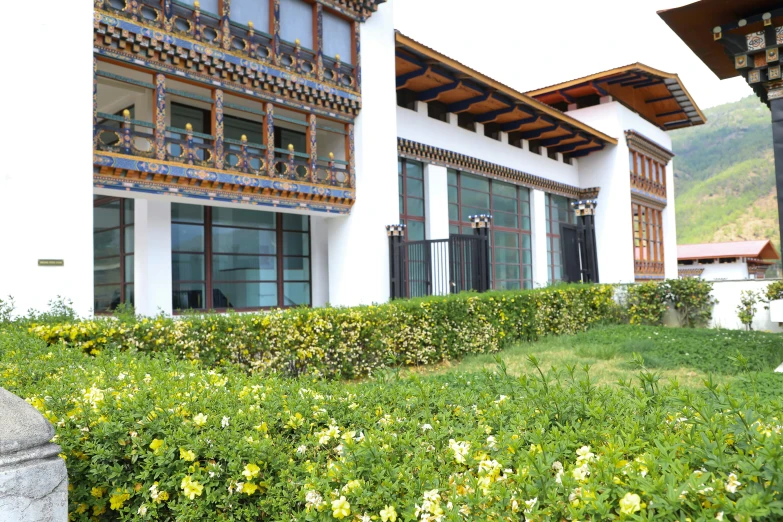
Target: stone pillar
[152,263]
[33,479]
[436,202]
[538,238]
[319,255]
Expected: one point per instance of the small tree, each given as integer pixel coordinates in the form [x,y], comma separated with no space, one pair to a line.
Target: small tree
[774,292]
[747,307]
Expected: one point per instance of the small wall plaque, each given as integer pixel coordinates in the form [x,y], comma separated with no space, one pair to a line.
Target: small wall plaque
[51,262]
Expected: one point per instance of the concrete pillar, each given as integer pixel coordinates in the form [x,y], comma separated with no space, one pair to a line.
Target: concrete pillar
[152,264]
[538,238]
[670,228]
[358,245]
[436,202]
[319,260]
[33,478]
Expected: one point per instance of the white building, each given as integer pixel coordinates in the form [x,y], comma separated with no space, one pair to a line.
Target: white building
[241,165]
[734,261]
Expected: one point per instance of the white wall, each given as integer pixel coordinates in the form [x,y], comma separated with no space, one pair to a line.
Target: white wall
[46,179]
[728,294]
[609,169]
[538,238]
[152,268]
[417,126]
[358,245]
[319,259]
[722,271]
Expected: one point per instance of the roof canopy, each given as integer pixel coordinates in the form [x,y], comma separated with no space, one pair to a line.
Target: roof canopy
[657,96]
[745,249]
[694,23]
[433,76]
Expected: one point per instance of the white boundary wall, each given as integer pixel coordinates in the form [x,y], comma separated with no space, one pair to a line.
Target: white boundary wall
[728,294]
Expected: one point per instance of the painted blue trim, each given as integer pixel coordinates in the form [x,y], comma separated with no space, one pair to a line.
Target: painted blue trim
[538,132]
[124,79]
[431,94]
[489,116]
[569,147]
[464,105]
[554,141]
[585,152]
[190,95]
[514,125]
[403,79]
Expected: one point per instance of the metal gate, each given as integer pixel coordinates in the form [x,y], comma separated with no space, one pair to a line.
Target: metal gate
[439,266]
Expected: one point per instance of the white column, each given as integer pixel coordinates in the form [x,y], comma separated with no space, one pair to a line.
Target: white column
[538,238]
[436,202]
[319,259]
[358,245]
[670,227]
[152,258]
[46,207]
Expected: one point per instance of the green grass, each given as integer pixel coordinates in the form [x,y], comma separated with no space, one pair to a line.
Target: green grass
[688,356]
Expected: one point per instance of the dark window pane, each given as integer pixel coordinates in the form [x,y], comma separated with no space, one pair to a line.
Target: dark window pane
[296,244]
[475,183]
[244,295]
[505,220]
[106,298]
[526,241]
[107,243]
[415,169]
[453,213]
[130,206]
[506,239]
[187,213]
[244,268]
[296,222]
[505,255]
[503,204]
[188,296]
[129,240]
[243,241]
[504,189]
[415,230]
[107,271]
[296,268]
[130,296]
[242,217]
[452,177]
[415,188]
[296,294]
[129,269]
[471,211]
[234,128]
[525,223]
[181,115]
[187,267]
[453,229]
[507,272]
[106,216]
[475,199]
[187,238]
[453,196]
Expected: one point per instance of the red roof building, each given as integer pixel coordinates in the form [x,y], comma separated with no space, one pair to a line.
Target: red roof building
[727,261]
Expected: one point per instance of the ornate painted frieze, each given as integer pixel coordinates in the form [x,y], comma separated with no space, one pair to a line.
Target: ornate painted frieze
[640,143]
[160,117]
[124,40]
[176,178]
[648,199]
[359,10]
[433,155]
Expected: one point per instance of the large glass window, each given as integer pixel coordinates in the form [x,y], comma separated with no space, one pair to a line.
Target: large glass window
[338,37]
[509,205]
[239,258]
[558,212]
[256,11]
[647,240]
[411,194]
[113,248]
[210,6]
[296,22]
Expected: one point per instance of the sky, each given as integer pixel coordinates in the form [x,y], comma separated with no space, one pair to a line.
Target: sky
[529,44]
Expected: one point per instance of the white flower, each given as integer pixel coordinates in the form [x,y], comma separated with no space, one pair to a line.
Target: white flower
[142,510]
[530,504]
[301,450]
[121,377]
[431,496]
[426,427]
[460,450]
[313,499]
[224,422]
[581,473]
[584,455]
[732,484]
[492,442]
[147,378]
[719,516]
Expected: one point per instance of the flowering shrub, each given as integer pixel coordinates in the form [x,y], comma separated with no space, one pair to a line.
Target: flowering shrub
[158,438]
[349,342]
[774,291]
[690,297]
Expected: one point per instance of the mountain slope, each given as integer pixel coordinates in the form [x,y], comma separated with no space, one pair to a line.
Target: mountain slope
[725,176]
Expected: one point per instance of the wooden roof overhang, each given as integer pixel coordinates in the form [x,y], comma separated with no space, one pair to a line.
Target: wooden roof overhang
[433,76]
[658,97]
[716,30]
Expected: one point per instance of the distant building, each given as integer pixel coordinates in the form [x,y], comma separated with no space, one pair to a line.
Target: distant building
[726,261]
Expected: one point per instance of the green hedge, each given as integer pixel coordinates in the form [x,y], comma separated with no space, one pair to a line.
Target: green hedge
[350,342]
[159,438]
[691,298]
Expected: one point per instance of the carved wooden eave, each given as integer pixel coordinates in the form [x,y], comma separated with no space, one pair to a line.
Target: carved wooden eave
[446,158]
[359,10]
[640,143]
[118,171]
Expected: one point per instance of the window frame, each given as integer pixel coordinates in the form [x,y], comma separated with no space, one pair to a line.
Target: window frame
[123,253]
[648,236]
[524,282]
[209,255]
[402,176]
[556,239]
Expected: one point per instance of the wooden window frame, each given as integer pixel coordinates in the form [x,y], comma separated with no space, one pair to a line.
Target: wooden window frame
[648,239]
[523,281]
[209,253]
[404,216]
[553,238]
[123,255]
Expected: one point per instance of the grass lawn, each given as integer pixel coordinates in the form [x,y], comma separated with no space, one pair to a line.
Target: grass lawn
[688,356]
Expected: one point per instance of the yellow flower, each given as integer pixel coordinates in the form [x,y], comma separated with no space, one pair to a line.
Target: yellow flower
[251,470]
[156,444]
[340,508]
[118,499]
[630,504]
[249,488]
[97,492]
[191,488]
[200,419]
[388,514]
[187,455]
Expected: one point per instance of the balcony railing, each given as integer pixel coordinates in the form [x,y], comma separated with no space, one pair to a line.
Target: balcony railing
[246,40]
[123,135]
[647,185]
[649,269]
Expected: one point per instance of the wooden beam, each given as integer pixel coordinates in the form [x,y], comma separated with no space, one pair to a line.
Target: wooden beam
[535,134]
[434,93]
[572,146]
[491,116]
[672,113]
[402,81]
[655,100]
[464,105]
[549,142]
[515,125]
[584,152]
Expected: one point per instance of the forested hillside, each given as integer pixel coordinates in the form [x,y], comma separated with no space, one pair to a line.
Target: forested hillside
[725,177]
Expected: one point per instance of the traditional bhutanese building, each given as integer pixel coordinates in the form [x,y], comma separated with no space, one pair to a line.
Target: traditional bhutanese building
[734,261]
[253,154]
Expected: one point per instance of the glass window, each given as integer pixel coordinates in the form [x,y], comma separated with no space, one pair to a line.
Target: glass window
[210,6]
[296,22]
[411,186]
[256,11]
[113,247]
[182,114]
[337,37]
[559,212]
[234,128]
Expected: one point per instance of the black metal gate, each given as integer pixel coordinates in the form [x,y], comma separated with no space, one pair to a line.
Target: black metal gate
[439,266]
